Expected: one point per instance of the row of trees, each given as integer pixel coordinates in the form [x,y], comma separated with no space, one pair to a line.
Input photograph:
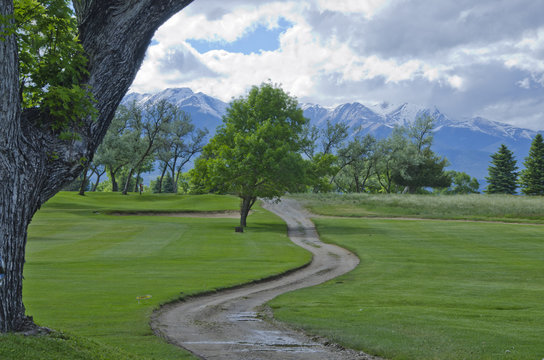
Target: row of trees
[139,137]
[266,147]
[402,162]
[503,175]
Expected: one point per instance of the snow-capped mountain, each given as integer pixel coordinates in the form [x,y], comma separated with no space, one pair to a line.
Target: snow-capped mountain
[467,143]
[205,111]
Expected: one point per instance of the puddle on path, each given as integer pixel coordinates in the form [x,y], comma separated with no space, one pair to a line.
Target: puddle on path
[244,316]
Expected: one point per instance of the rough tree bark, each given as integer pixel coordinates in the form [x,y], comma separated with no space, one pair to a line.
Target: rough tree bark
[83,185]
[245,206]
[159,186]
[34,162]
[99,174]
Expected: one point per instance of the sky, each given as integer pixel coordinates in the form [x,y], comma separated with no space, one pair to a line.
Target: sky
[469,58]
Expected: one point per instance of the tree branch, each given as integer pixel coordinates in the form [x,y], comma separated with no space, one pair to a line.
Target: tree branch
[115,35]
[9,75]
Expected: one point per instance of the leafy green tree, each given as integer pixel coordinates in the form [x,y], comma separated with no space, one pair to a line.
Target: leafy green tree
[426,171]
[180,143]
[420,166]
[321,146]
[357,164]
[502,177]
[532,177]
[117,149]
[152,123]
[52,64]
[321,168]
[256,152]
[329,139]
[54,114]
[392,151]
[165,185]
[462,183]
[81,182]
[121,143]
[98,169]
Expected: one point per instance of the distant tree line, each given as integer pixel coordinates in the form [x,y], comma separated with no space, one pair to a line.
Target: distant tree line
[401,163]
[141,137]
[328,159]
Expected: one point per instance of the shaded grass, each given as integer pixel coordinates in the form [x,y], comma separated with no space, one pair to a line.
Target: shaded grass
[430,290]
[506,208]
[85,268]
[56,346]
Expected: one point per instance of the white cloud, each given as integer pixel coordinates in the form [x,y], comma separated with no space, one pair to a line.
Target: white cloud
[526,113]
[456,82]
[228,27]
[525,83]
[466,57]
[366,7]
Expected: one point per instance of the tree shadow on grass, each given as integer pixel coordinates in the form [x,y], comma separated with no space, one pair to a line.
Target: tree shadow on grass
[261,227]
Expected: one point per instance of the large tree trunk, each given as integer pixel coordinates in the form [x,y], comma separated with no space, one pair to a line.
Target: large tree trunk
[161,178]
[174,181]
[138,181]
[98,176]
[34,163]
[127,182]
[83,185]
[15,213]
[114,184]
[95,185]
[245,206]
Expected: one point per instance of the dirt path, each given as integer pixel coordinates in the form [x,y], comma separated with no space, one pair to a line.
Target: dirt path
[227,325]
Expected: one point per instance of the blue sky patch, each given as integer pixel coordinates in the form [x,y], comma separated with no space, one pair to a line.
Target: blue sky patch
[260,39]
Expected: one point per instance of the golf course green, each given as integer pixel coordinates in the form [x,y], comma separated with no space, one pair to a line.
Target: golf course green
[430,285]
[428,289]
[86,268]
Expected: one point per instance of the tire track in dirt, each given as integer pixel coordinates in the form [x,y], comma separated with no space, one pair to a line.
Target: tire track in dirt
[227,324]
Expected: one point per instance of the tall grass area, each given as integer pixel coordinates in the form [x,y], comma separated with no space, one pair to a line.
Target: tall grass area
[507,208]
[429,289]
[86,268]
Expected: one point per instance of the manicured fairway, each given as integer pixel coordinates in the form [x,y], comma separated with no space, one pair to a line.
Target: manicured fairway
[430,290]
[85,268]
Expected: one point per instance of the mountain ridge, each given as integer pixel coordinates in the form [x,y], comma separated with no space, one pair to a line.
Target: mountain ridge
[466,143]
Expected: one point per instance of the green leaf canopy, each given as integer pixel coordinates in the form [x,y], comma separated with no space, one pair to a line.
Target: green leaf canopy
[256,152]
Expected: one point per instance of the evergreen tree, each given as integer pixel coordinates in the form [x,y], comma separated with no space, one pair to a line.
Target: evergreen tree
[532,178]
[502,173]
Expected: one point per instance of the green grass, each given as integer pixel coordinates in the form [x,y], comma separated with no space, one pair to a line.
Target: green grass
[57,346]
[507,208]
[430,290]
[85,268]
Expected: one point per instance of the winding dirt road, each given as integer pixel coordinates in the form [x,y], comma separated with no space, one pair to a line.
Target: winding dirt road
[227,325]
